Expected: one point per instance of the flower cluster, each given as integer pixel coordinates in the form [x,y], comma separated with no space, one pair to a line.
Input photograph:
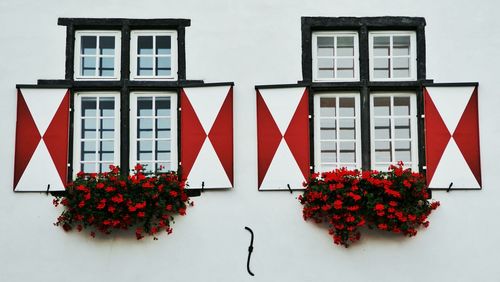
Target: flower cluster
[108,201]
[395,201]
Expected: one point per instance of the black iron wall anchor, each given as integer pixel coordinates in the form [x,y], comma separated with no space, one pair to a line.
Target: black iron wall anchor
[449,187]
[250,250]
[290,189]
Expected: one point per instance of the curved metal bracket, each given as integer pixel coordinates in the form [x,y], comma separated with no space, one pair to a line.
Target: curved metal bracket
[250,250]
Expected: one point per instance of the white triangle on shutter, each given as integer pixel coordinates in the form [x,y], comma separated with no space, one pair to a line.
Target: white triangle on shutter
[282,104]
[207,102]
[283,170]
[450,103]
[453,168]
[40,172]
[208,169]
[43,104]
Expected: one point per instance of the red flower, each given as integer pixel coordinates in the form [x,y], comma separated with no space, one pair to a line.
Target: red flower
[141,214]
[337,204]
[117,199]
[379,207]
[173,194]
[99,185]
[111,209]
[382,226]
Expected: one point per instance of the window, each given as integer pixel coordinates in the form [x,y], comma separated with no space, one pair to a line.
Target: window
[153,54]
[97,55]
[337,134]
[392,55]
[96,131]
[335,56]
[153,134]
[393,130]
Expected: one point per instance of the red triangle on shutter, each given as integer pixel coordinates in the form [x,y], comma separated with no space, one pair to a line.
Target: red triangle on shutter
[192,135]
[297,135]
[437,136]
[56,138]
[467,136]
[27,138]
[221,135]
[268,137]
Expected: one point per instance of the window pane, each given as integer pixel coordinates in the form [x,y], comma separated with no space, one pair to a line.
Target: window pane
[328,146]
[383,151]
[346,107]
[163,166]
[144,106]
[326,68]
[382,106]
[401,67]
[347,129]
[89,128]
[329,157]
[382,128]
[163,66]
[327,107]
[381,45]
[104,167]
[325,46]
[88,151]
[144,150]
[402,128]
[145,128]
[89,106]
[88,167]
[107,66]
[88,45]
[163,45]
[145,66]
[88,66]
[345,46]
[328,167]
[403,151]
[327,123]
[107,106]
[107,45]
[163,150]
[347,152]
[162,105]
[107,128]
[401,106]
[328,134]
[381,68]
[163,128]
[401,45]
[106,152]
[145,45]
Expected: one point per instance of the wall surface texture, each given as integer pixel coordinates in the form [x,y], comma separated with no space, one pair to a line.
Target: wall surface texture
[253,42]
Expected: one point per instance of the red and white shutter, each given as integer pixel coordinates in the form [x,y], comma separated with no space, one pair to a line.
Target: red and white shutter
[207,136]
[282,138]
[42,128]
[452,137]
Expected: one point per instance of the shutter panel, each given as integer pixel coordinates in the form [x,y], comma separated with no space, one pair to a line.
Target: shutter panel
[207,136]
[452,137]
[283,138]
[42,129]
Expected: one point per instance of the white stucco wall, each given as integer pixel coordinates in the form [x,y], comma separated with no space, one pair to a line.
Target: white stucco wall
[253,42]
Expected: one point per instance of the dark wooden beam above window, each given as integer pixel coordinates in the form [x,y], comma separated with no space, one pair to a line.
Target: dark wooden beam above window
[118,22]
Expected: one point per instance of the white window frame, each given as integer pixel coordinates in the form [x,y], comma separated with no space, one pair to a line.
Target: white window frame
[413,54]
[334,34]
[413,129]
[77,127]
[133,54]
[77,54]
[317,131]
[173,127]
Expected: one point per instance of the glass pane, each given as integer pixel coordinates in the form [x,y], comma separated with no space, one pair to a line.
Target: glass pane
[327,123]
[382,128]
[106,147]
[325,46]
[327,134]
[345,46]
[381,68]
[145,66]
[107,45]
[401,45]
[144,106]
[144,150]
[401,67]
[347,152]
[402,128]
[328,146]
[107,128]
[107,106]
[163,166]
[403,151]
[401,106]
[145,128]
[345,68]
[329,157]
[107,66]
[162,105]
[88,66]
[163,128]
[327,107]
[145,45]
[88,45]
[162,156]
[345,73]
[104,167]
[381,45]
[382,106]
[88,167]
[89,128]
[383,151]
[163,45]
[346,107]
[89,106]
[327,167]
[88,151]
[347,131]
[326,74]
[163,66]
[163,146]
[147,166]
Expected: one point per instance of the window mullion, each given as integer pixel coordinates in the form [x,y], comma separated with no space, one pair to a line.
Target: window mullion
[153,153]
[97,148]
[393,138]
[337,124]
[335,61]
